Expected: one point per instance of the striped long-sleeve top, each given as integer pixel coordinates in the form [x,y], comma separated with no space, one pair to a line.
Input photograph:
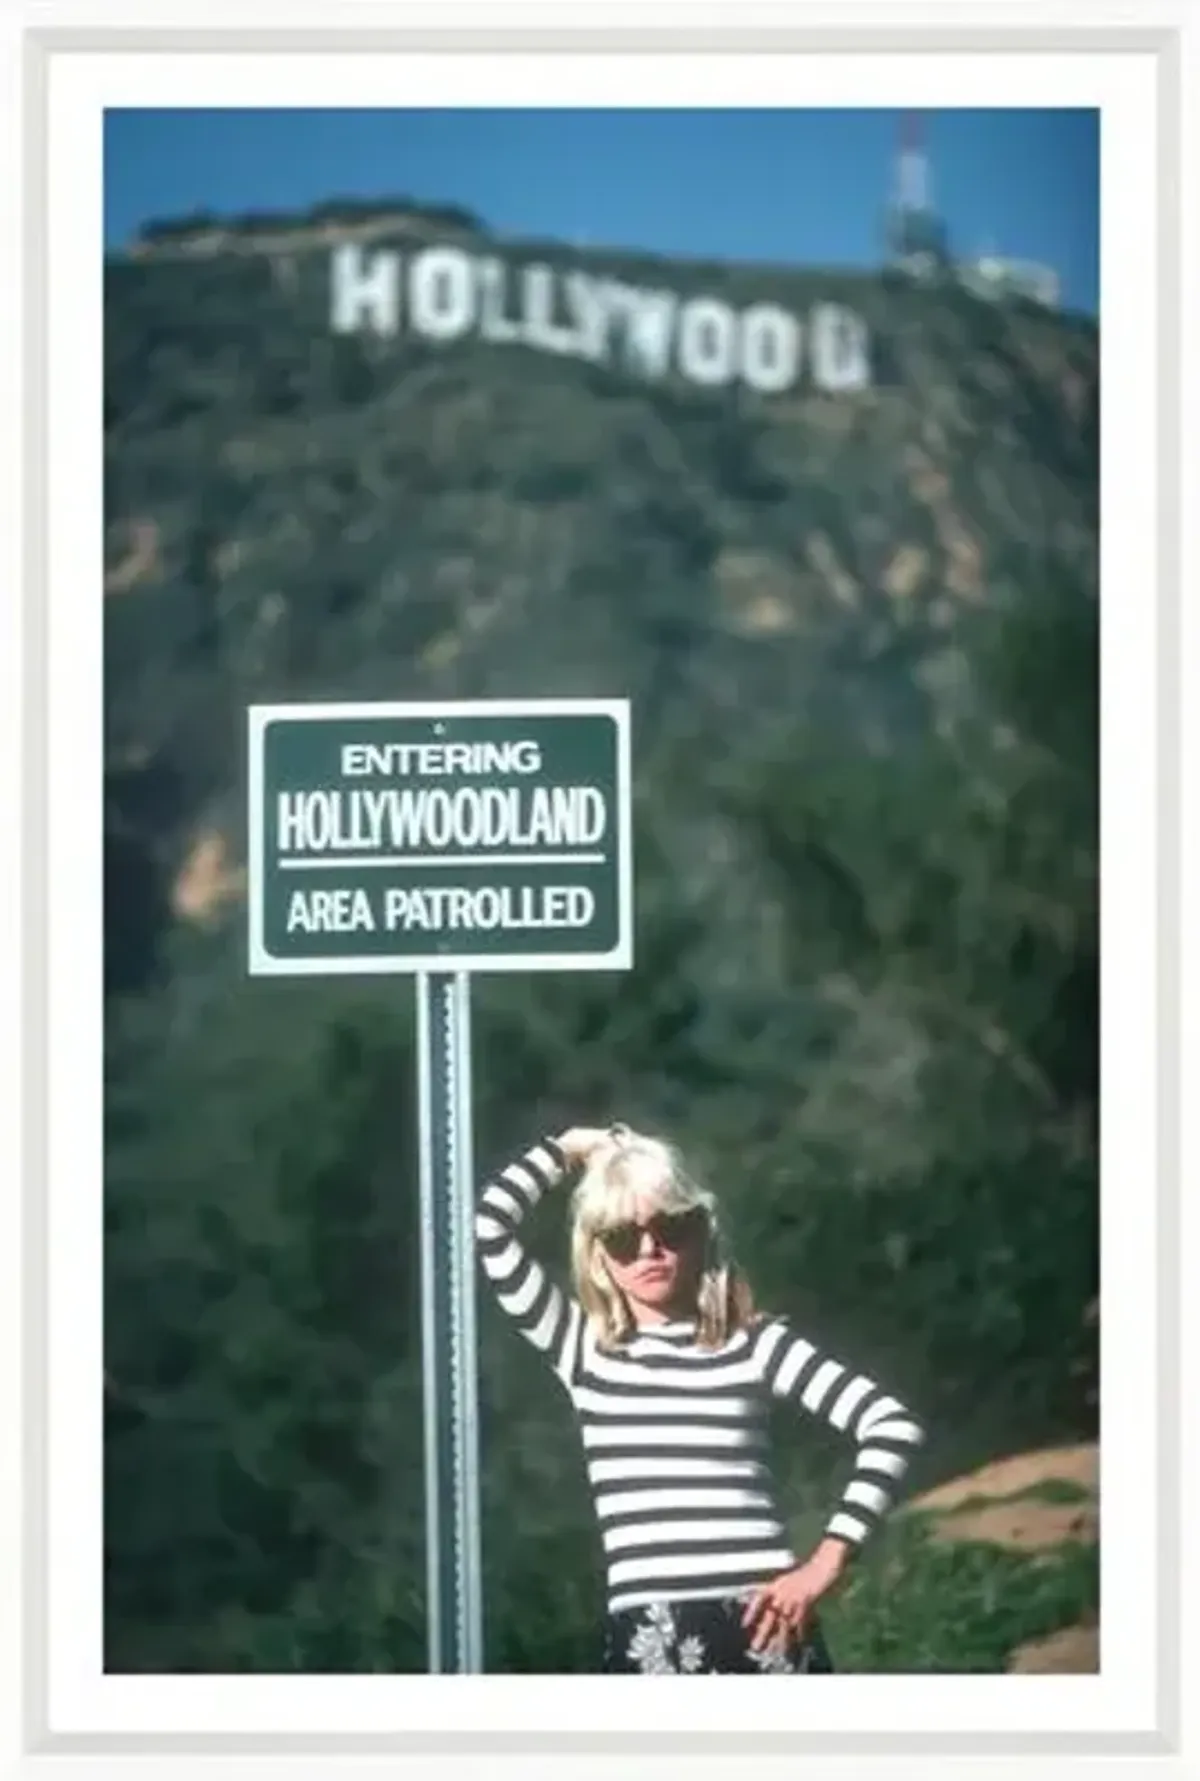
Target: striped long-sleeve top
[675,1436]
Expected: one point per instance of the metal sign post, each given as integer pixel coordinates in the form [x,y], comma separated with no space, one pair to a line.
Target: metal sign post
[442,839]
[453,1560]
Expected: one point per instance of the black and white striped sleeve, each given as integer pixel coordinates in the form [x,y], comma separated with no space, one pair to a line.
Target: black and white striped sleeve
[542,1313]
[885,1431]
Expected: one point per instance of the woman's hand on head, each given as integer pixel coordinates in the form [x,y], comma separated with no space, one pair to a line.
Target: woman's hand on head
[578,1142]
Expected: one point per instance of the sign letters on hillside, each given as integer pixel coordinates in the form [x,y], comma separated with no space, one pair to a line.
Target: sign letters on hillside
[444,293]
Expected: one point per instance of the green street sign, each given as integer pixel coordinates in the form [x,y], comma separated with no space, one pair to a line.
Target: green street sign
[492,835]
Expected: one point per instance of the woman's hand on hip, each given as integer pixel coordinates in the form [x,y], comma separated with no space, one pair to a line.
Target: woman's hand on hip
[780,1610]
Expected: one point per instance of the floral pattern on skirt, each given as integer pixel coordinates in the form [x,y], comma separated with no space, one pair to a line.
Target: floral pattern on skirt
[702,1638]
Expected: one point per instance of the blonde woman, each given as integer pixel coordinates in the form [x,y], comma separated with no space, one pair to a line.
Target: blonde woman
[671,1373]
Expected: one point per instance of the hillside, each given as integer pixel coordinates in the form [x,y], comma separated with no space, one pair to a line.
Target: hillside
[856,615]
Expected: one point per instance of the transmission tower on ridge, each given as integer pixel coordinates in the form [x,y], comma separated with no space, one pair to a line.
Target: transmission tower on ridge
[916,235]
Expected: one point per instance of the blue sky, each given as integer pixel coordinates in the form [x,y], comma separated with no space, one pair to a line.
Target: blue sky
[802,187]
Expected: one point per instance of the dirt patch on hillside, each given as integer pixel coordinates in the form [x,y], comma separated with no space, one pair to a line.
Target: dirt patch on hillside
[1020,1471]
[992,1505]
[906,571]
[209,879]
[1075,1651]
[140,561]
[758,591]
[1023,1526]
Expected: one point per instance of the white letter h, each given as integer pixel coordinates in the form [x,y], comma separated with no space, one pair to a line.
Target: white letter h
[365,293]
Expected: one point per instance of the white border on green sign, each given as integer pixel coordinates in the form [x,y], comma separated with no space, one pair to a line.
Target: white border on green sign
[265,964]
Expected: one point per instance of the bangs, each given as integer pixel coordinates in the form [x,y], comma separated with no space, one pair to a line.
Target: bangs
[637,1182]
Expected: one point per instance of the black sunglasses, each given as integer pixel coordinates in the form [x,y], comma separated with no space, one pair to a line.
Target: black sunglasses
[670,1230]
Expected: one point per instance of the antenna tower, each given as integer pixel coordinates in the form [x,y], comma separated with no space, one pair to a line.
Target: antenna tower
[912,164]
[916,235]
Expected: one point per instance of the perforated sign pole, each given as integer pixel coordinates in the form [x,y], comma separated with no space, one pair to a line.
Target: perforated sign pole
[453,1559]
[442,839]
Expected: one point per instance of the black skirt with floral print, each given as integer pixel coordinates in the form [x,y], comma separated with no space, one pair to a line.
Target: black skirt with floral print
[702,1638]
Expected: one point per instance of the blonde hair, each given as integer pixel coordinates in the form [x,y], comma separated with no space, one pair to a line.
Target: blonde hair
[625,1168]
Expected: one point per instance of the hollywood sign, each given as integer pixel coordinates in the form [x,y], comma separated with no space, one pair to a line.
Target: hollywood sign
[444,294]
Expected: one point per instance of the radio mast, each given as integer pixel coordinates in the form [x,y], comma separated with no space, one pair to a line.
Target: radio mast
[916,234]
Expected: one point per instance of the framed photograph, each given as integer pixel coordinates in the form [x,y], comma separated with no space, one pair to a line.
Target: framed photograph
[600,599]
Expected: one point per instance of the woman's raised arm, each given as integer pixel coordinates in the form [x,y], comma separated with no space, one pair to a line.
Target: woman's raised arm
[540,1310]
